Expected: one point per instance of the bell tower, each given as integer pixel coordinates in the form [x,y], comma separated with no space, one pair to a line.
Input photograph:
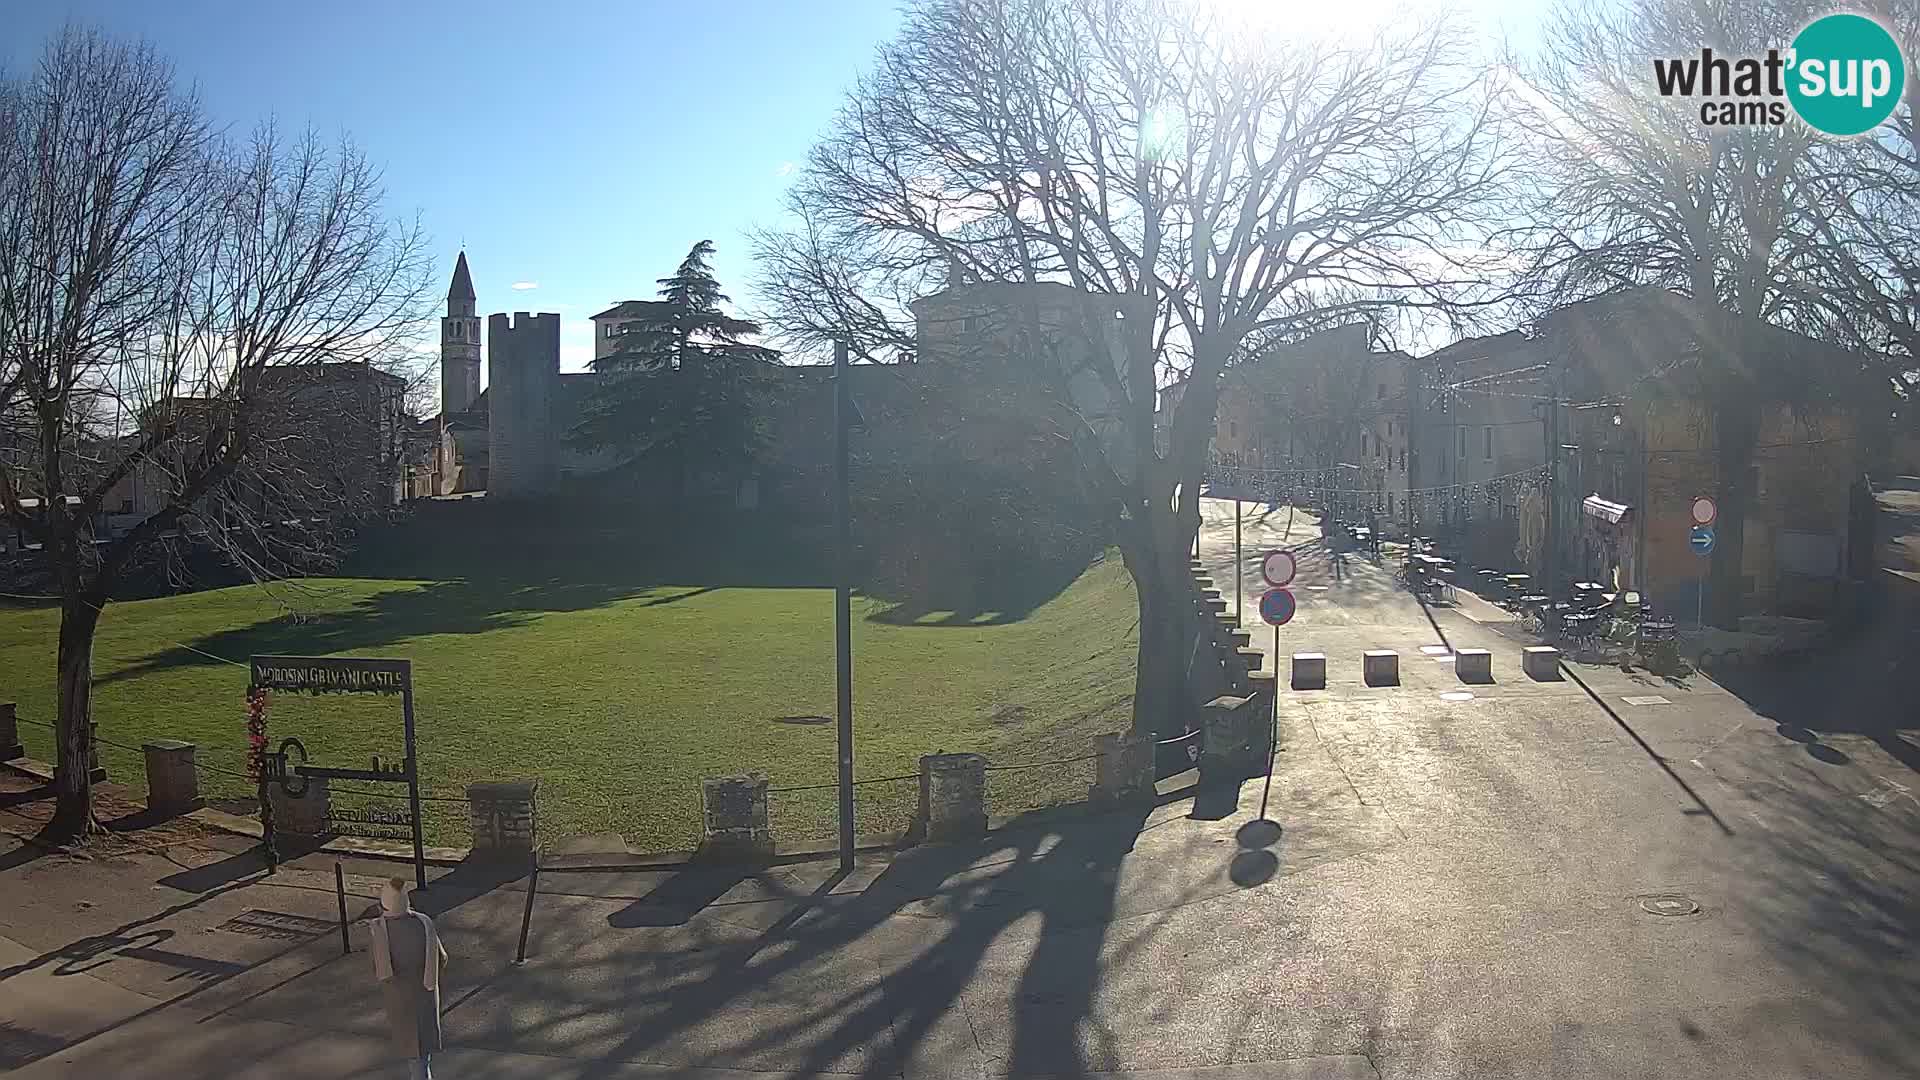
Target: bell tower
[459,344]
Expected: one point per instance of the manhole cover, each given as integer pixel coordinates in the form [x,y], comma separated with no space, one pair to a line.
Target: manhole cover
[1669,906]
[1316,588]
[1445,658]
[1436,650]
[277,924]
[1457,695]
[1650,699]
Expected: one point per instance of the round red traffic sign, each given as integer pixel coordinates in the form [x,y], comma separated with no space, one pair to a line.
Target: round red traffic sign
[1276,606]
[1278,567]
[1704,511]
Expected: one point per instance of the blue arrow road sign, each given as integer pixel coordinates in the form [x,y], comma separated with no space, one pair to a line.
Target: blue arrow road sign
[1701,540]
[1276,606]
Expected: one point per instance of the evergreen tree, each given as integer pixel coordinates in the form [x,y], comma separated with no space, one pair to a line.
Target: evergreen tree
[681,391]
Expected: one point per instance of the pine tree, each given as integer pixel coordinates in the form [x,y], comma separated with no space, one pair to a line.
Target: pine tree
[681,392]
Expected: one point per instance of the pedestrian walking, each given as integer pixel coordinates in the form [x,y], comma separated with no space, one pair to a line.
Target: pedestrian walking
[408,959]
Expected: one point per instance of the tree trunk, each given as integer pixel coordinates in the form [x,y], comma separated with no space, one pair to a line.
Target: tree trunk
[1155,553]
[73,785]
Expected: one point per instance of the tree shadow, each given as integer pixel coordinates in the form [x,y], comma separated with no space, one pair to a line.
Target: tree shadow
[1864,683]
[1832,888]
[801,987]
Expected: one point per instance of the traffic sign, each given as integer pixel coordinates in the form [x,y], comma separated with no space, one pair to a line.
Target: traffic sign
[1276,606]
[1278,567]
[1704,511]
[1701,540]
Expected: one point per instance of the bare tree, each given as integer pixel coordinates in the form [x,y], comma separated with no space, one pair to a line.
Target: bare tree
[168,306]
[1635,190]
[1200,181]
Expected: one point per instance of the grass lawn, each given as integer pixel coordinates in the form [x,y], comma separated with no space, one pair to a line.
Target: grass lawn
[619,691]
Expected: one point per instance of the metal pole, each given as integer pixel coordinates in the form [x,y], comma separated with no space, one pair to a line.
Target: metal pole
[1273,732]
[1237,564]
[413,785]
[1550,510]
[526,917]
[340,894]
[843,604]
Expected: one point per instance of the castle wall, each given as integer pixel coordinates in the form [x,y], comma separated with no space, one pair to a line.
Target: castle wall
[523,357]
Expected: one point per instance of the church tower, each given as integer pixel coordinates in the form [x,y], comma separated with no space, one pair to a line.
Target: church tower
[459,344]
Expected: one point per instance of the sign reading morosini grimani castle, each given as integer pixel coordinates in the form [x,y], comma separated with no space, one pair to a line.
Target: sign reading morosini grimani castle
[322,675]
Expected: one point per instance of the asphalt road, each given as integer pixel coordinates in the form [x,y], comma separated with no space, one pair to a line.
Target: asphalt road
[1609,876]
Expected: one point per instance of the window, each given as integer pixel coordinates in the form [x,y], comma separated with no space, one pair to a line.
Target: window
[1463,442]
[1380,392]
[1233,429]
[1489,451]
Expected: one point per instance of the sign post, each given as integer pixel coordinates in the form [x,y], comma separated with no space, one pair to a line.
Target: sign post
[1701,541]
[1276,608]
[331,675]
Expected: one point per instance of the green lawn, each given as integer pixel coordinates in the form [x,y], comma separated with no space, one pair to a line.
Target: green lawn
[618,697]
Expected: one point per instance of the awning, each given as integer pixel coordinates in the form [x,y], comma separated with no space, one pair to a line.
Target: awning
[1609,512]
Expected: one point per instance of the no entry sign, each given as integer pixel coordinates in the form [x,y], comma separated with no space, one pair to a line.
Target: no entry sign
[1704,511]
[1276,606]
[1278,567]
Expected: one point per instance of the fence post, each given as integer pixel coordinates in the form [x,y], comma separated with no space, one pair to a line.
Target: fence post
[10,747]
[504,816]
[173,784]
[735,817]
[96,772]
[953,797]
[1124,770]
[305,814]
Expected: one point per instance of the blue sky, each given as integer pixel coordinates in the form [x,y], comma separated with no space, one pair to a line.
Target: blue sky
[580,146]
[583,145]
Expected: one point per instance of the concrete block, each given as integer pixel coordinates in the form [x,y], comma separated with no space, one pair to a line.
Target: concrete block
[1381,667]
[734,811]
[1473,665]
[1309,671]
[173,786]
[953,797]
[1541,663]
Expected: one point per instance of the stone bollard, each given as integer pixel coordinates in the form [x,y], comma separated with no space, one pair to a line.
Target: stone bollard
[1226,737]
[504,817]
[10,747]
[1309,671]
[304,815]
[1380,667]
[1124,770]
[734,811]
[1473,665]
[1541,663]
[953,797]
[173,786]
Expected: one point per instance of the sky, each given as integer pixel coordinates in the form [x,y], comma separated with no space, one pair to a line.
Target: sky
[575,149]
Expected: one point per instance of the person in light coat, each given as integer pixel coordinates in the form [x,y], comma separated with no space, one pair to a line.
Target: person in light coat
[408,960]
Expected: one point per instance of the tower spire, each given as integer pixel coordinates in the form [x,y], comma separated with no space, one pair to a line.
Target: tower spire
[462,287]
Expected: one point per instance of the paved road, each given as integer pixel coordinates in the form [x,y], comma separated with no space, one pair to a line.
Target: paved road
[1538,880]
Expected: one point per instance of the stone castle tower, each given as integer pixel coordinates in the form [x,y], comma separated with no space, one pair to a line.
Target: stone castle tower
[523,374]
[459,344]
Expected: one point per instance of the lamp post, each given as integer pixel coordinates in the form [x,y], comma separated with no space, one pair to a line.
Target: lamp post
[844,416]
